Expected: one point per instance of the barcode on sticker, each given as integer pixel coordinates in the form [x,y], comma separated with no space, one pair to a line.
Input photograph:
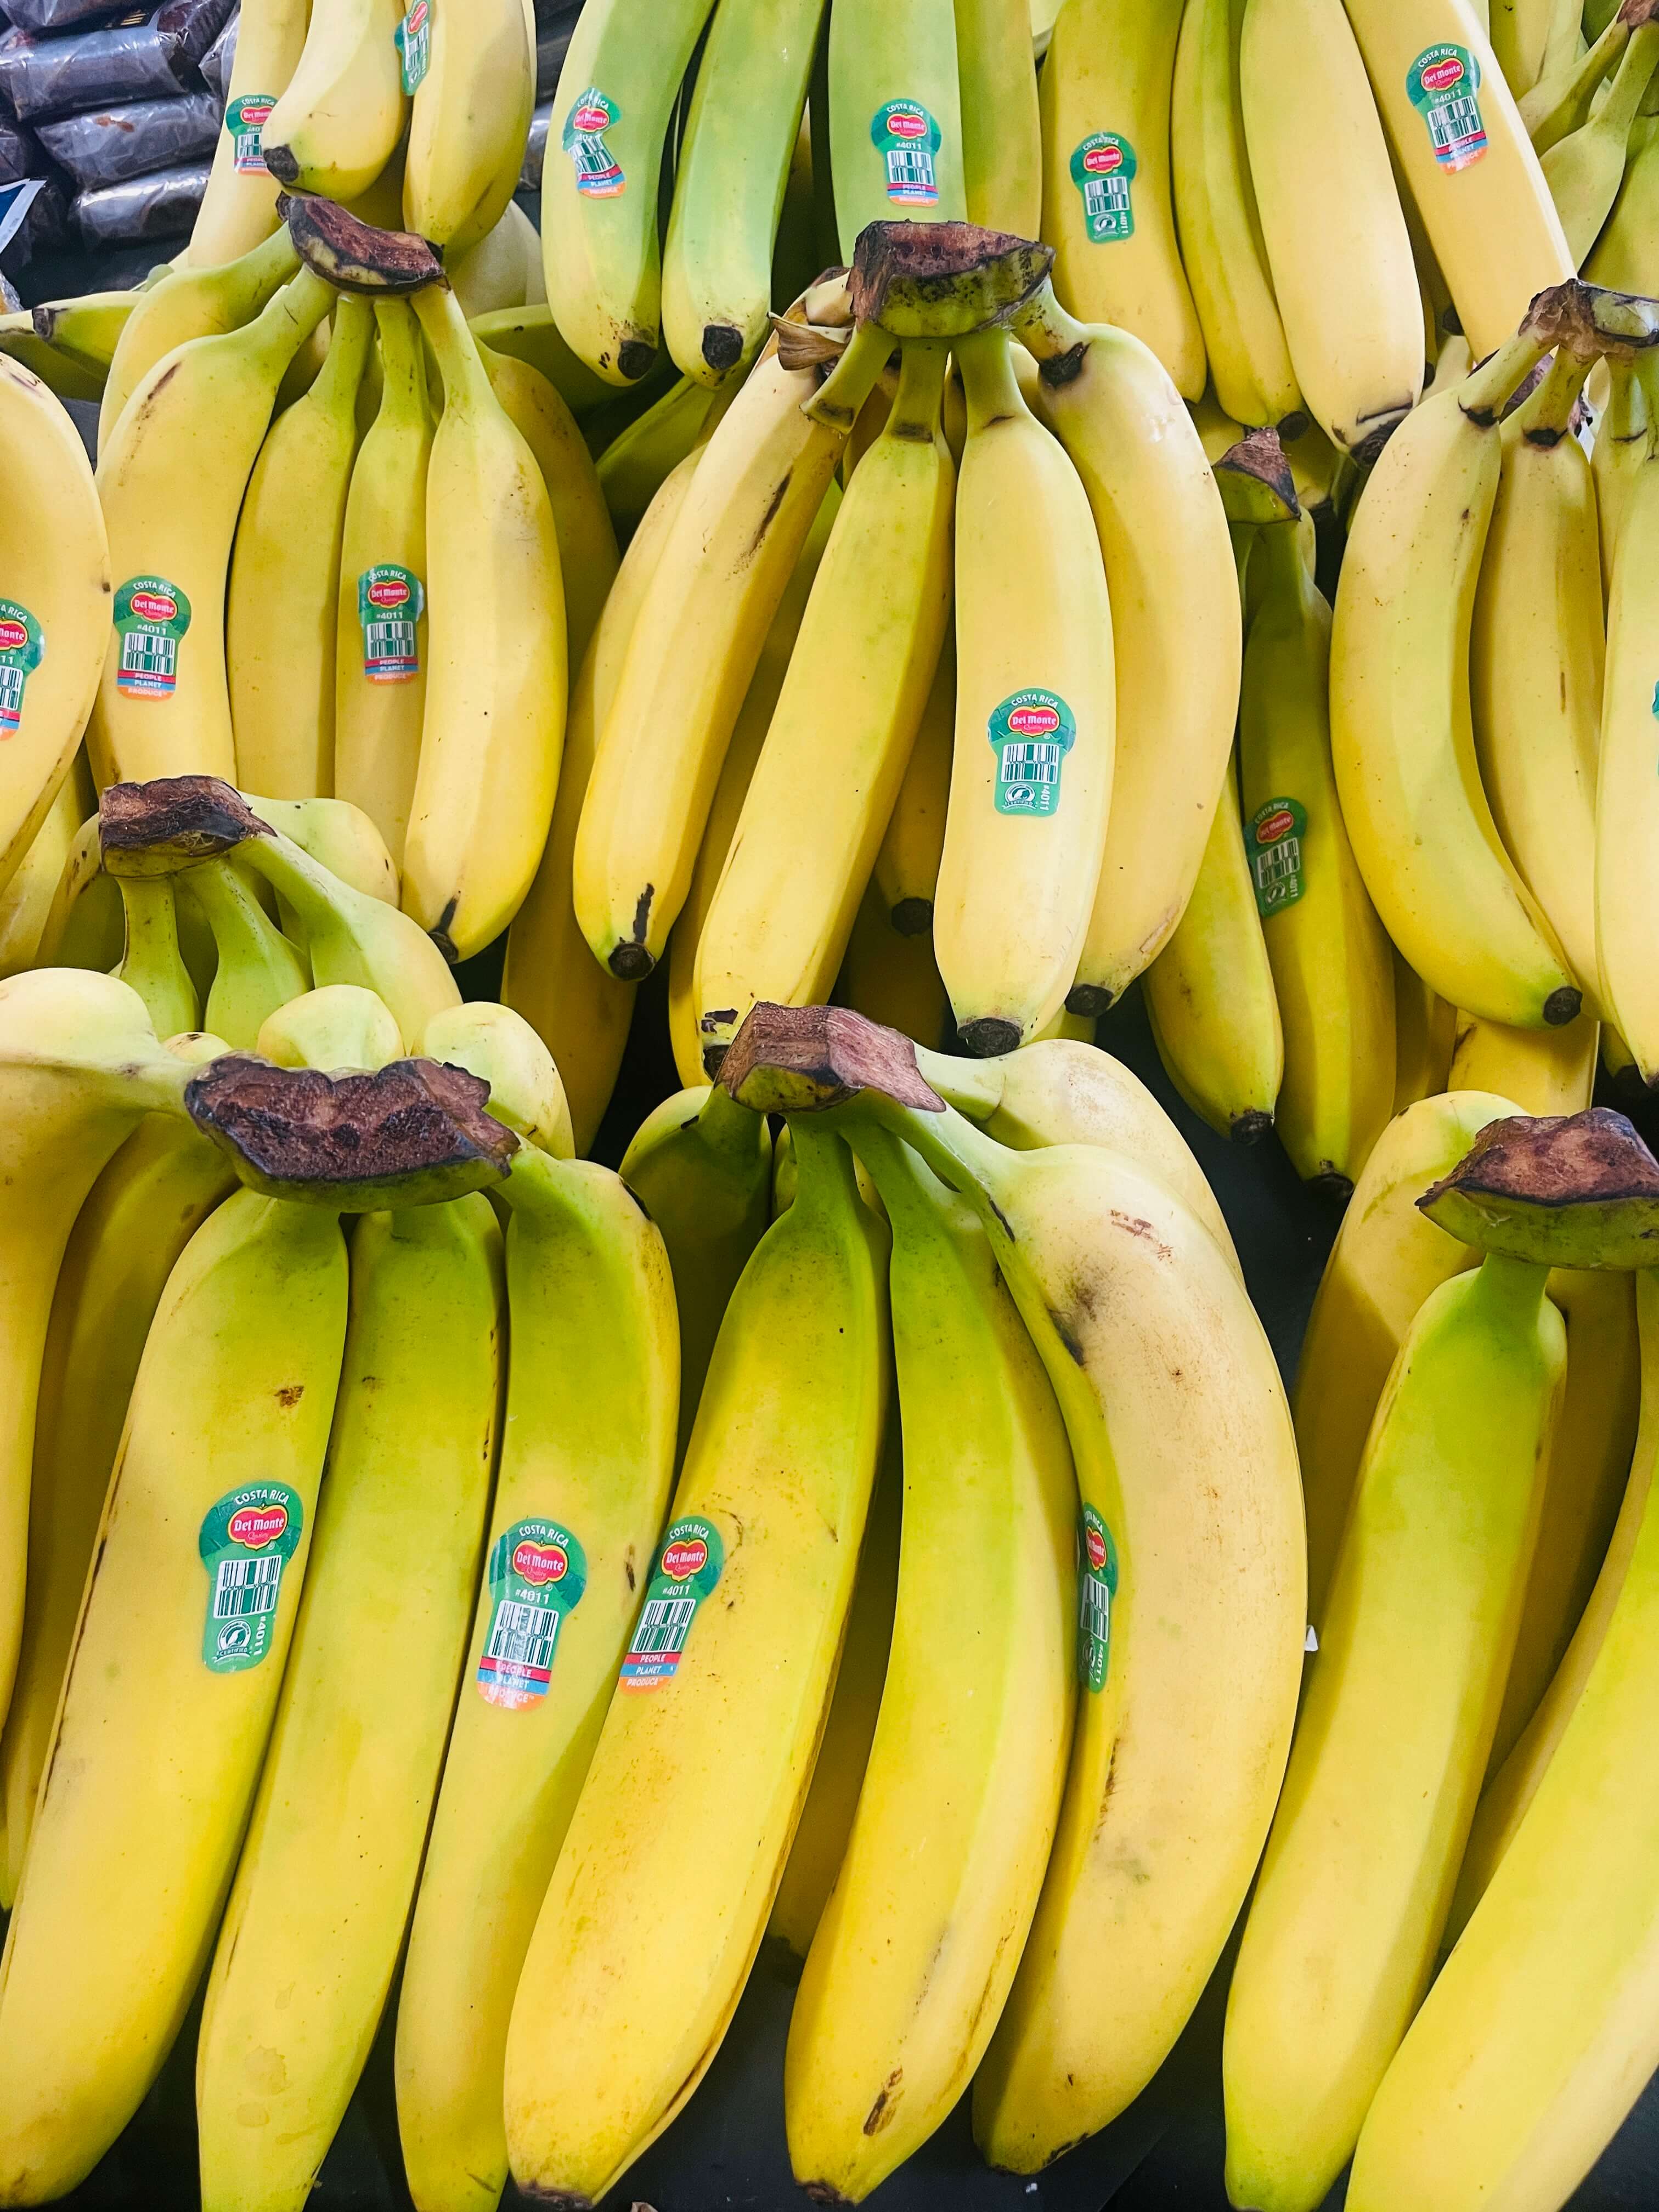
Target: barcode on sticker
[11,696]
[522,1641]
[245,1587]
[1036,763]
[1106,206]
[149,662]
[1457,131]
[389,654]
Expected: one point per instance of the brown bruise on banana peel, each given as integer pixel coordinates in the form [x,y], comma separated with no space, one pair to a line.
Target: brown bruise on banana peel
[1574,1190]
[942,280]
[353,255]
[409,1133]
[802,1059]
[156,829]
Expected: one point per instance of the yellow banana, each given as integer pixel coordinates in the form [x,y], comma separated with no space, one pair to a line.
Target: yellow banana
[1625,816]
[1621,448]
[1326,195]
[338,121]
[164,704]
[88,329]
[1624,256]
[468,118]
[1561,102]
[530,333]
[1107,205]
[1424,1034]
[1419,1627]
[891,979]
[150,962]
[503,271]
[895,115]
[280,609]
[587,1449]
[1001,131]
[340,1027]
[636,463]
[906,872]
[1544,1071]
[705,1756]
[1447,892]
[327,1875]
[239,208]
[26,900]
[54,606]
[500,1046]
[339,837]
[1585,169]
[920,1938]
[1518,31]
[1032,775]
[496,690]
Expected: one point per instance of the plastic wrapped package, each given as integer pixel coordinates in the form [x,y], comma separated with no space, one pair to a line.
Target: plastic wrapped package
[220,58]
[21,155]
[162,205]
[109,145]
[52,16]
[140,58]
[535,148]
[33,219]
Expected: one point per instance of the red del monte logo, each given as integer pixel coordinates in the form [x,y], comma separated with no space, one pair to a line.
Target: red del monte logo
[907,123]
[1034,721]
[1101,161]
[540,1563]
[154,606]
[1096,1546]
[1440,77]
[1278,824]
[389,591]
[13,635]
[256,1526]
[681,1560]
[590,117]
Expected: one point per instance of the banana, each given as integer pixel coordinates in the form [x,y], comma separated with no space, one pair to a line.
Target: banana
[530,333]
[1585,169]
[579,1010]
[1332,968]
[148,1201]
[59,372]
[648,1965]
[1447,892]
[1623,257]
[729,184]
[285,577]
[891,979]
[636,463]
[163,706]
[696,639]
[1146,1334]
[1032,775]
[1326,195]
[906,871]
[1464,159]
[582,523]
[1221,240]
[586,1460]
[338,121]
[1209,995]
[1387,1260]
[701,1167]
[920,1939]
[381,636]
[468,119]
[54,606]
[26,900]
[86,330]
[1621,448]
[316,1916]
[726,809]
[1538,2034]
[1544,1071]
[615,99]
[239,208]
[826,1819]
[501,1049]
[895,124]
[1536,651]
[496,694]
[1561,102]
[1402,1699]
[503,271]
[843,728]
[1107,205]
[1175,648]
[192,301]
[339,836]
[150,962]
[1624,807]
[340,1027]
[1425,1037]
[1516,32]
[1001,129]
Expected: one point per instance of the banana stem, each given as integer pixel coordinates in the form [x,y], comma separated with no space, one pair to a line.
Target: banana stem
[897,1172]
[288,321]
[295,877]
[403,366]
[836,402]
[1556,106]
[916,410]
[973,1087]
[1483,391]
[1046,329]
[347,351]
[1546,415]
[459,362]
[241,929]
[1630,83]
[151,963]
[1513,1288]
[726,1127]
[270,261]
[986,362]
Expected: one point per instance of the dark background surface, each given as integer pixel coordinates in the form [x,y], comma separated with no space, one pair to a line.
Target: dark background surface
[726,2151]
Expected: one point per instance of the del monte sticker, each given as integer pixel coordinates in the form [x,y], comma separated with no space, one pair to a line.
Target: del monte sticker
[598,174]
[151,617]
[1103,169]
[1096,1586]
[1032,732]
[391,600]
[245,1541]
[688,1564]
[22,648]
[414,39]
[537,1573]
[1443,84]
[908,138]
[245,117]
[1277,853]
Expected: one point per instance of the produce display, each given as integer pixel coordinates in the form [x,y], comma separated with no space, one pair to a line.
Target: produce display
[951,527]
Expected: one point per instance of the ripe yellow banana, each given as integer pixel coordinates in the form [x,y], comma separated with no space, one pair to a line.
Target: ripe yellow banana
[726,809]
[1221,241]
[696,641]
[340,1027]
[54,606]
[339,836]
[468,118]
[284,592]
[1585,169]
[239,208]
[1107,205]
[530,333]
[136,1218]
[163,707]
[729,184]
[198,1567]
[1209,995]
[918,1945]
[503,271]
[701,1167]
[1561,102]
[1626,813]
[1464,158]
[842,730]
[1032,775]
[890,979]
[26,900]
[1544,1071]
[1448,893]
[637,461]
[1621,448]
[1332,968]
[1394,1731]
[906,872]
[894,112]
[338,121]
[1175,649]
[660,1900]
[1517,30]
[86,331]
[327,1873]
[501,1047]
[1001,130]
[1624,256]
[612,108]
[1424,1036]
[496,691]
[381,637]
[588,1456]
[579,1010]
[1329,207]
[1539,2032]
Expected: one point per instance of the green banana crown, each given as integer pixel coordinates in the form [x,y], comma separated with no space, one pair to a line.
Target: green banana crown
[1574,1190]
